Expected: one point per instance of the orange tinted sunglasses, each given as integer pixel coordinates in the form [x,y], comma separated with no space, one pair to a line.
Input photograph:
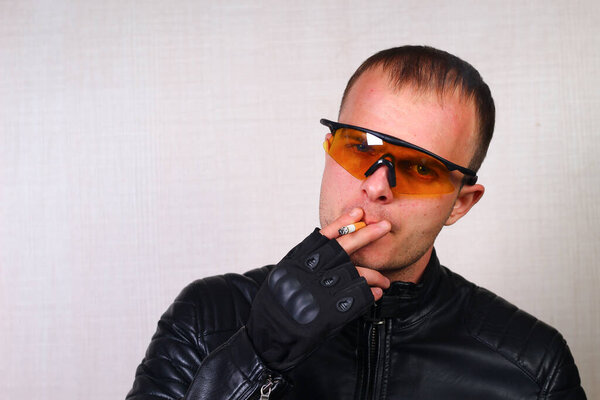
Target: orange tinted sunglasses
[411,170]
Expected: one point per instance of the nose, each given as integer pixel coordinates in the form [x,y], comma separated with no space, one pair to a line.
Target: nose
[377,186]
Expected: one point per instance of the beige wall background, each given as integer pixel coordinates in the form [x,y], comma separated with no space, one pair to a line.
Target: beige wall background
[145,144]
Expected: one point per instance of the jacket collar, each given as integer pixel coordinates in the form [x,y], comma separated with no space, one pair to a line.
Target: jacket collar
[411,301]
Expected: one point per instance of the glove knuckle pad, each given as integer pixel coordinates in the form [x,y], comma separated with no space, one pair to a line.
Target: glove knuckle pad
[289,292]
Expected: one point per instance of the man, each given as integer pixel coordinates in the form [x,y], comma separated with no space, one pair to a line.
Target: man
[370,314]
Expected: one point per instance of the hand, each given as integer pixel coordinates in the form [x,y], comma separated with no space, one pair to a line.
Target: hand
[308,297]
[356,240]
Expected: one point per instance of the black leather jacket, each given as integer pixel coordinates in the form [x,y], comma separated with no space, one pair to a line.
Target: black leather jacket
[443,338]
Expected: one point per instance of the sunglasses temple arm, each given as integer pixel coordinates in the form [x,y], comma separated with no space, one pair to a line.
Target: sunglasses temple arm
[471,180]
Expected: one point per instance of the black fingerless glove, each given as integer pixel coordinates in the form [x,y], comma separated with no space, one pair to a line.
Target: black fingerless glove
[307,298]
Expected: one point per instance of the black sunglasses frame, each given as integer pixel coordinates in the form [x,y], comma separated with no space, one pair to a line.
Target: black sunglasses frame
[470,175]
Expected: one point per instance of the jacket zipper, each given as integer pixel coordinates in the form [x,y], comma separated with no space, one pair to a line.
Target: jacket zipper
[376,331]
[270,384]
[266,389]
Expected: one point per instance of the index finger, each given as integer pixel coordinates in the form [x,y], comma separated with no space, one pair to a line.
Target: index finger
[354,241]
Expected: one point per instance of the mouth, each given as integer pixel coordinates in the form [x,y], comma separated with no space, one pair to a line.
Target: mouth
[370,221]
[370,217]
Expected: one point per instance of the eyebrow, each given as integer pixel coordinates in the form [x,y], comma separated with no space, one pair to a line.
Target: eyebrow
[352,133]
[358,135]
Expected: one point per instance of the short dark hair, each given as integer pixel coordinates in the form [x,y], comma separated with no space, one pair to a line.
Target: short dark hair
[428,69]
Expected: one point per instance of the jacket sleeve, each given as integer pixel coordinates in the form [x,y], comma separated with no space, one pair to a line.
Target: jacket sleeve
[233,371]
[563,382]
[200,349]
[537,349]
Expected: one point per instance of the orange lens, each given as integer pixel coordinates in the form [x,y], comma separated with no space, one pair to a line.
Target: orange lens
[416,173]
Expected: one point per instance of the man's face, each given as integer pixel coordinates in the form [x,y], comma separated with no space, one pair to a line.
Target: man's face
[445,126]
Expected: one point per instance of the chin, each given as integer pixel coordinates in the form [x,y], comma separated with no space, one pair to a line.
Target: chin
[376,256]
[386,254]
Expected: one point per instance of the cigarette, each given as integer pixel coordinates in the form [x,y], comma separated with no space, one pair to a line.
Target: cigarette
[344,230]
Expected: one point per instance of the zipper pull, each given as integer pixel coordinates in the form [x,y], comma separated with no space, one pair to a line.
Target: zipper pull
[265,390]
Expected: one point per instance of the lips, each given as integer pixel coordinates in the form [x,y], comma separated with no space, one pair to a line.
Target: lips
[370,221]
[369,217]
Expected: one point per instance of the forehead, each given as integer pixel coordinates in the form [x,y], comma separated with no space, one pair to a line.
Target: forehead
[445,125]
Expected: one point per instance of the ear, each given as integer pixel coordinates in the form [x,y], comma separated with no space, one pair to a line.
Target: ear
[327,142]
[468,196]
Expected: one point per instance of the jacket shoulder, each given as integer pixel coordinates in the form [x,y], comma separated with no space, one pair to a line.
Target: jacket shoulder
[208,311]
[538,349]
[221,302]
[205,315]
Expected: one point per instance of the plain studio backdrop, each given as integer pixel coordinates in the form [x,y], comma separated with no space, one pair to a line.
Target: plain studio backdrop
[145,144]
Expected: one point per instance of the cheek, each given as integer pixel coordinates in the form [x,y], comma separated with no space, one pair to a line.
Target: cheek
[337,187]
[427,214]
[336,180]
